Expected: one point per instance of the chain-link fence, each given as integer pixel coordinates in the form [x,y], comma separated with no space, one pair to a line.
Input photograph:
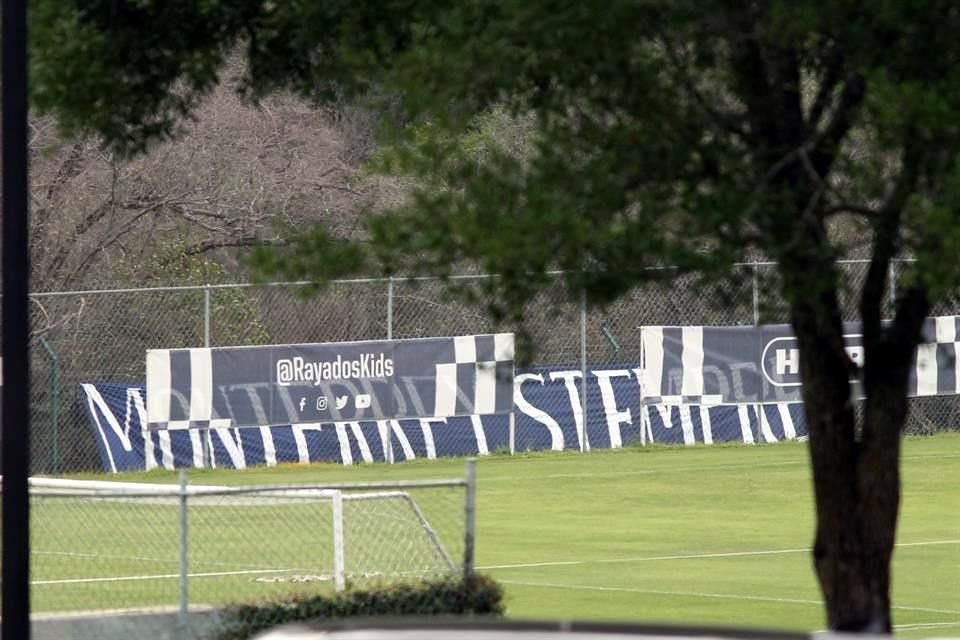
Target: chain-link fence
[137,548]
[97,336]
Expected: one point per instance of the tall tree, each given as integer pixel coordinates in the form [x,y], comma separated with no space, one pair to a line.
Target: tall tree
[663,132]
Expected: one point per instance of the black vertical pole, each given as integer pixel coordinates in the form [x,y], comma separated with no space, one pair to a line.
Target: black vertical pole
[15,624]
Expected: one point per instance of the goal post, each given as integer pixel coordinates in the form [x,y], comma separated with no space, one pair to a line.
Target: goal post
[97,539]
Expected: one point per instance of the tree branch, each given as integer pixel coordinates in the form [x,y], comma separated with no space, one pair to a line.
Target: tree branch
[858,210]
[886,243]
[246,241]
[725,122]
[828,141]
[828,82]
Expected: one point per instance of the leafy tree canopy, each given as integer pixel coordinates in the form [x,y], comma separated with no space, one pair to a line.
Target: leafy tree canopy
[664,132]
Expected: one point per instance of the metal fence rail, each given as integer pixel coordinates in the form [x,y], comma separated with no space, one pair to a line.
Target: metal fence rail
[102,335]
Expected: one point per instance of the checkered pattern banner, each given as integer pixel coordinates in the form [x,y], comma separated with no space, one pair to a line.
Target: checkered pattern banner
[761,364]
[330,383]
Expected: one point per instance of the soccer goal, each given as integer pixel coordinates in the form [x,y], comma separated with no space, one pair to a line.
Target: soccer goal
[98,545]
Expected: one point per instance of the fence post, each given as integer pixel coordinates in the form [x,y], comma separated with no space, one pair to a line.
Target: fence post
[390,308]
[206,445]
[54,404]
[206,315]
[339,555]
[184,561]
[756,322]
[584,441]
[470,518]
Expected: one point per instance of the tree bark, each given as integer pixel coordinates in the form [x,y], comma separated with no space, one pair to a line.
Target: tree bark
[838,550]
[856,475]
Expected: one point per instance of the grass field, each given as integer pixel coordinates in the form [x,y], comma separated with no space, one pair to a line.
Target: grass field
[712,535]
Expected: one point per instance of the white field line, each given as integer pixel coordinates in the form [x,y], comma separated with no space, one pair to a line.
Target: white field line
[700,594]
[108,556]
[717,467]
[912,625]
[692,556]
[927,625]
[160,576]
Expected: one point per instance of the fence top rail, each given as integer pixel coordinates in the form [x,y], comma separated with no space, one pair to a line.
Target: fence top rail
[378,280]
[278,490]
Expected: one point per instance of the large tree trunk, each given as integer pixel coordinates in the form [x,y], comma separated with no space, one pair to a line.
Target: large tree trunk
[856,477]
[839,544]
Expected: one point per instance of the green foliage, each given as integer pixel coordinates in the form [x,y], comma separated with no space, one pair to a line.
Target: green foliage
[314,255]
[478,596]
[625,135]
[129,71]
[237,314]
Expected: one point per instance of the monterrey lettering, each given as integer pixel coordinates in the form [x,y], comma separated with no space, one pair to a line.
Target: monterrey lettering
[300,371]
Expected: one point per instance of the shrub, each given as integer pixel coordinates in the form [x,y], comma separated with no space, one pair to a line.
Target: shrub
[478,596]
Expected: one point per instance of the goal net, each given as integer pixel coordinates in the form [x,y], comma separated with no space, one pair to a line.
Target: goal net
[104,545]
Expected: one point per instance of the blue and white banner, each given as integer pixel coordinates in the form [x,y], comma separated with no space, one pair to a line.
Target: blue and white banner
[671,397]
[333,382]
[761,364]
[548,415]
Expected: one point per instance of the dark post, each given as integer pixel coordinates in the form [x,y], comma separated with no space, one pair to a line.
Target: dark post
[15,612]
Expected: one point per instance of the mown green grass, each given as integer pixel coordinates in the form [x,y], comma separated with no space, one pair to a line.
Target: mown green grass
[710,535]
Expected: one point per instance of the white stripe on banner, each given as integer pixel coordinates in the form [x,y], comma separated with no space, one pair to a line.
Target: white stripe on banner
[544,418]
[408,453]
[765,425]
[166,448]
[101,408]
[614,417]
[465,349]
[664,412]
[233,444]
[445,397]
[486,388]
[946,328]
[707,427]
[269,448]
[482,448]
[346,455]
[197,447]
[300,438]
[743,412]
[158,385]
[651,341]
[201,384]
[789,431]
[386,443]
[503,347]
[135,402]
[692,360]
[428,442]
[956,367]
[946,334]
[149,450]
[927,370]
[686,425]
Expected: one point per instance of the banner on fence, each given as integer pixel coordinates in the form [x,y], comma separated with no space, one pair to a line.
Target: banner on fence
[751,364]
[548,415]
[752,369]
[333,382]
